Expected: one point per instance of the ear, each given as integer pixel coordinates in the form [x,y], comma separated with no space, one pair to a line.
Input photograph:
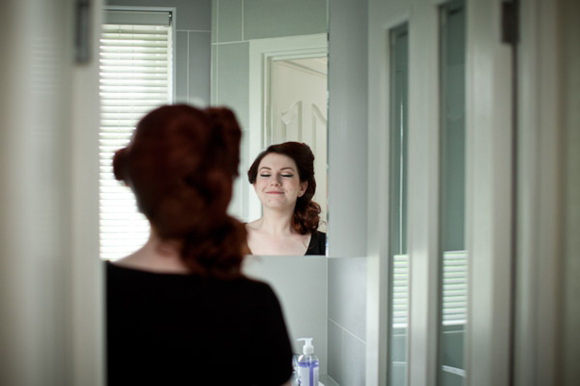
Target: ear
[303,187]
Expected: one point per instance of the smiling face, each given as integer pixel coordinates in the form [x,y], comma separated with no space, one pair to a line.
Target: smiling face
[278,184]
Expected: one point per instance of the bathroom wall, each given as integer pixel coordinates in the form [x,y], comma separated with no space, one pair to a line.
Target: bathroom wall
[192,46]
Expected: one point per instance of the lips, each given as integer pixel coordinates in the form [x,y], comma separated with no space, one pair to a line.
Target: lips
[275,192]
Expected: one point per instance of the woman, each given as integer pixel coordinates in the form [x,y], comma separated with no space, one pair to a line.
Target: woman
[283,178]
[179,310]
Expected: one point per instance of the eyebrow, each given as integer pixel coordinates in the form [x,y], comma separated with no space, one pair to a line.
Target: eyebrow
[285,168]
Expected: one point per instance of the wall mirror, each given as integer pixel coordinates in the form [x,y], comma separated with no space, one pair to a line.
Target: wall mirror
[265,60]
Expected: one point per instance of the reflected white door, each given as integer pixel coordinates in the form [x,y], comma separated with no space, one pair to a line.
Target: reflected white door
[298,111]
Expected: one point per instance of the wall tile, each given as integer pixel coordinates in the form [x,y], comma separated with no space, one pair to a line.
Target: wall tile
[214,20]
[267,18]
[230,17]
[347,293]
[335,351]
[199,68]
[191,15]
[233,84]
[353,361]
[241,184]
[181,66]
[214,74]
[245,163]
[347,117]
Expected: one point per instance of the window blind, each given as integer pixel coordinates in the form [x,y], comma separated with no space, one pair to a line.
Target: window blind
[454,289]
[135,68]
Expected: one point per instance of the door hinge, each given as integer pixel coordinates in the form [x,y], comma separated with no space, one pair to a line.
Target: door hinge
[509,21]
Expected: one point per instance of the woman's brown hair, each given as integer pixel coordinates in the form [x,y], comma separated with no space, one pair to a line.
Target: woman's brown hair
[181,164]
[306,212]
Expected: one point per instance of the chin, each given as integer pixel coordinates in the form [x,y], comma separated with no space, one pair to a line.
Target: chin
[279,205]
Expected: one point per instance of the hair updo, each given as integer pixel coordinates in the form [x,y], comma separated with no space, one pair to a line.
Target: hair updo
[181,164]
[306,216]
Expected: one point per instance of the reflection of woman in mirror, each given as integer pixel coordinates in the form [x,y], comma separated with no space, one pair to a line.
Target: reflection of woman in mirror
[283,177]
[179,310]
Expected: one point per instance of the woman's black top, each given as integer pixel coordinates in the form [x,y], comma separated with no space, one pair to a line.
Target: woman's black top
[171,329]
[317,245]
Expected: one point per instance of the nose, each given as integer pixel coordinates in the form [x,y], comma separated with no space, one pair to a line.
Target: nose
[275,180]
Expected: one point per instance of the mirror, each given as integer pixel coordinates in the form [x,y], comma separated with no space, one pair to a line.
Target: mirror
[265,60]
[268,62]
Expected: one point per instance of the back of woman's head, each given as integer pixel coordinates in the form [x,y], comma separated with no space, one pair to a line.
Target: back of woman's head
[181,163]
[307,212]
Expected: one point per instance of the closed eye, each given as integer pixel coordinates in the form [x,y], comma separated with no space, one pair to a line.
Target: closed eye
[265,175]
[288,175]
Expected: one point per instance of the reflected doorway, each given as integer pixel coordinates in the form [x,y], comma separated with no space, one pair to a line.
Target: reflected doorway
[297,106]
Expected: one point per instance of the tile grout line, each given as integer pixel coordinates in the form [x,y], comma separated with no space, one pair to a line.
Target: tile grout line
[349,332]
[342,364]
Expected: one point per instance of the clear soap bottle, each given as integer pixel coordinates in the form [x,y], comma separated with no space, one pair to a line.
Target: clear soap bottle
[307,365]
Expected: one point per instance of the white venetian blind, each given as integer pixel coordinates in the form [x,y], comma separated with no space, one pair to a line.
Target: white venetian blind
[135,76]
[454,288]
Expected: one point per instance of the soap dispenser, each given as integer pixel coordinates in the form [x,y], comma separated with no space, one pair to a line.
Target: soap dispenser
[307,365]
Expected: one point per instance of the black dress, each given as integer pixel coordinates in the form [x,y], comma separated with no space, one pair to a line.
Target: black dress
[171,329]
[317,245]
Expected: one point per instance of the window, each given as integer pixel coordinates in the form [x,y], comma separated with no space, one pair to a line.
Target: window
[135,76]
